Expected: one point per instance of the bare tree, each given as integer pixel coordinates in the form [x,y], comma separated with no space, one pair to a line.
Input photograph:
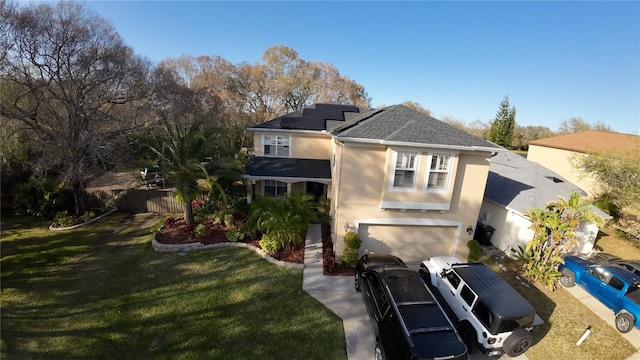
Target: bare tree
[71,80]
[417,107]
[576,124]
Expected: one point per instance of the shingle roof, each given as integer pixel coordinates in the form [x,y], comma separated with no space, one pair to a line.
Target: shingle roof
[400,124]
[288,168]
[314,117]
[521,184]
[592,141]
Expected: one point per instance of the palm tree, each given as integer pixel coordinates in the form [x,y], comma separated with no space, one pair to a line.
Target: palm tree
[180,150]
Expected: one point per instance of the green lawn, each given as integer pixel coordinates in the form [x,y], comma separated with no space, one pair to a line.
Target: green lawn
[102,292]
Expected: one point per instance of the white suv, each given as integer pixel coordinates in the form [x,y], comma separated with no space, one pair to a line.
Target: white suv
[491,315]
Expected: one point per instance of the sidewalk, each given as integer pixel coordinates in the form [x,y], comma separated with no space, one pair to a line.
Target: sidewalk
[338,295]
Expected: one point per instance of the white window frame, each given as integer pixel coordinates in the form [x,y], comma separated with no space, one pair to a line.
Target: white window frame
[277,141]
[394,168]
[442,167]
[277,185]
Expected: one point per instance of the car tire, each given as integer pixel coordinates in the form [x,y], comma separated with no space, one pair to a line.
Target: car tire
[356,281]
[378,354]
[567,278]
[518,342]
[624,322]
[469,336]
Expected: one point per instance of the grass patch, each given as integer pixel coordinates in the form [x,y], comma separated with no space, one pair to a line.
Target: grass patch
[566,318]
[102,292]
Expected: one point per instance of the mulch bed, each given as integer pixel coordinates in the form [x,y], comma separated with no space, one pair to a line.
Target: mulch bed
[178,233]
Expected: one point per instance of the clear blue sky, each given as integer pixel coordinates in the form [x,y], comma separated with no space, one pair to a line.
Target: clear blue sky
[555,60]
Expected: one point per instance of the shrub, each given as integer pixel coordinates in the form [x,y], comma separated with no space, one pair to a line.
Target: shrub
[88,216]
[352,240]
[285,218]
[42,198]
[608,203]
[474,250]
[63,219]
[201,230]
[242,206]
[216,218]
[349,257]
[234,235]
[269,244]
[228,219]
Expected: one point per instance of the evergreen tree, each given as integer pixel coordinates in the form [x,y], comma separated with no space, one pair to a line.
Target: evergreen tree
[501,132]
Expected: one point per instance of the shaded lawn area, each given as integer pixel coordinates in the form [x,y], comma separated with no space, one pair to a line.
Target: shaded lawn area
[102,292]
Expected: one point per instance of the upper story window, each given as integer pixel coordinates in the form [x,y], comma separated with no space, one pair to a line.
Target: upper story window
[276,145]
[439,170]
[405,170]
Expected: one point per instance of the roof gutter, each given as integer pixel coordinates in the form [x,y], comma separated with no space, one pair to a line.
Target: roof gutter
[403,143]
[288,131]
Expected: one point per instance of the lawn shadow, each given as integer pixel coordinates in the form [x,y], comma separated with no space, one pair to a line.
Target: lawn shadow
[105,293]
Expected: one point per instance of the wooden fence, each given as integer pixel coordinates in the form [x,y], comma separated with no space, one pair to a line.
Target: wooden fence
[139,200]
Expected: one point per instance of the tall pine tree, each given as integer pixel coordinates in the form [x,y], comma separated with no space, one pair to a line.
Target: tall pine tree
[501,132]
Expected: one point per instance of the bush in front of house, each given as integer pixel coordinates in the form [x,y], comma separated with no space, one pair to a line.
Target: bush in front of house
[352,242]
[474,250]
[283,219]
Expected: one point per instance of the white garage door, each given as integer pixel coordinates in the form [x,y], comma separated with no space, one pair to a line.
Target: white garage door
[410,243]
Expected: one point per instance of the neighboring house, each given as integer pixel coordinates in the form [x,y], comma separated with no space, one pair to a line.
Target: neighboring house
[556,153]
[515,186]
[409,184]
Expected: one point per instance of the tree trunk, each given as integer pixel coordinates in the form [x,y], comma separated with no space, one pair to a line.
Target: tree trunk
[79,198]
[188,214]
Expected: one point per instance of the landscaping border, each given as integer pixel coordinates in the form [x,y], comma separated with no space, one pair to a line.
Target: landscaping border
[51,228]
[198,245]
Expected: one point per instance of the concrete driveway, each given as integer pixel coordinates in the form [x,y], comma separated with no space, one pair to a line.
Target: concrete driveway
[338,295]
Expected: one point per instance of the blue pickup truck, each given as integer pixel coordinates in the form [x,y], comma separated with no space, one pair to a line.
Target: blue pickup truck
[614,286]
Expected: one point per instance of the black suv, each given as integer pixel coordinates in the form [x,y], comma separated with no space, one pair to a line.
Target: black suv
[407,322]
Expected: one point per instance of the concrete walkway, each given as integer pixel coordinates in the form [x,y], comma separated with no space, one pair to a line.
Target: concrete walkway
[338,295]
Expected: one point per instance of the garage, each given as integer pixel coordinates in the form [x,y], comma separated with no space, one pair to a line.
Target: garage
[409,242]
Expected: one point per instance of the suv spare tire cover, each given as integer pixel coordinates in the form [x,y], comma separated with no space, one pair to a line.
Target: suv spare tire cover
[518,342]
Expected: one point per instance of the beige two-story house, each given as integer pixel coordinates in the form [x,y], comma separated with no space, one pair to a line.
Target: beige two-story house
[407,183]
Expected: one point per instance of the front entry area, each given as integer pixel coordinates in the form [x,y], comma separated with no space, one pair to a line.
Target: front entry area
[316,189]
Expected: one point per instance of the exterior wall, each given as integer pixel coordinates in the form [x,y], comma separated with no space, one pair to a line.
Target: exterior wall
[303,145]
[311,146]
[559,161]
[362,171]
[512,229]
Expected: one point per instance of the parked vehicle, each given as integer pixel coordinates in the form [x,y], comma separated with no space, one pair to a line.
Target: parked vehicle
[490,314]
[407,321]
[614,286]
[631,265]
